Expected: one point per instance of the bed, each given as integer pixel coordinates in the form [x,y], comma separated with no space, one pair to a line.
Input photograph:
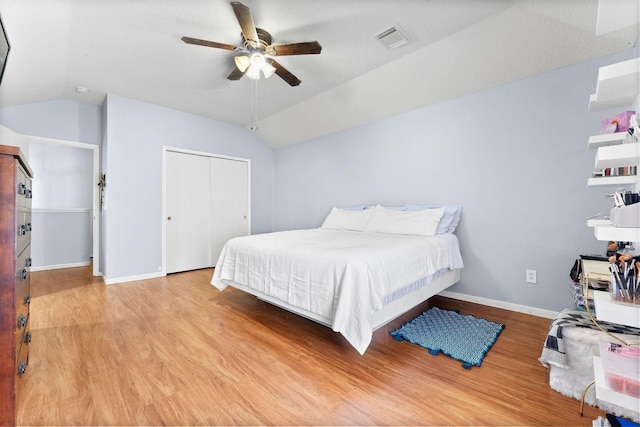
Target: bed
[360,270]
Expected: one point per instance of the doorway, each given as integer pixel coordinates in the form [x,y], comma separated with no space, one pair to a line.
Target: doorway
[61,166]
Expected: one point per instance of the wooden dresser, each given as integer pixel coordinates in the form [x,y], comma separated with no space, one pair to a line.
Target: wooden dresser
[15,260]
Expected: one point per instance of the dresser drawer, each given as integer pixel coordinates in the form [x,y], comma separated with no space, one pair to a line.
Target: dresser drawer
[23,334]
[24,190]
[22,360]
[23,230]
[23,282]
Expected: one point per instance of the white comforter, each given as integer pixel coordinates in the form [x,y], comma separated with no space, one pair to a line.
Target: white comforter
[340,275]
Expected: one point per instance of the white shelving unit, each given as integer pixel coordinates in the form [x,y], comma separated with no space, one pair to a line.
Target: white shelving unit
[612,180]
[618,86]
[597,141]
[617,234]
[613,156]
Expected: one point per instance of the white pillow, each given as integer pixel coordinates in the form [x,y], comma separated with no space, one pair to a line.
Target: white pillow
[339,219]
[418,223]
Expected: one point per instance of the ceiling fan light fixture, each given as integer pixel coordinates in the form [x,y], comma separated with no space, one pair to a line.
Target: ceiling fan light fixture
[268,70]
[253,73]
[258,61]
[242,62]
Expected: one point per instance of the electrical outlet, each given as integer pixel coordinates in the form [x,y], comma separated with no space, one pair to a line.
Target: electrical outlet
[532,276]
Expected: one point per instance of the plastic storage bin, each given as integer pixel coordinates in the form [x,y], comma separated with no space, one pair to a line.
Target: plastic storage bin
[621,365]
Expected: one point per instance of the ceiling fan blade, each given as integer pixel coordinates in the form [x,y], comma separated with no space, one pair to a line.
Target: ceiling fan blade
[236,74]
[305,48]
[285,74]
[246,23]
[191,40]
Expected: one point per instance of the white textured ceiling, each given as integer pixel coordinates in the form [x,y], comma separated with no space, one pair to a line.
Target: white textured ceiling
[132,48]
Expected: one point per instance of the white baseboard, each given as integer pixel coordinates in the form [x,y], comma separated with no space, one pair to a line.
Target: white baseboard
[59,266]
[131,278]
[540,312]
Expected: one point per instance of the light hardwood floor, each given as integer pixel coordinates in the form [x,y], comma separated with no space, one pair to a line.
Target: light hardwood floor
[176,351]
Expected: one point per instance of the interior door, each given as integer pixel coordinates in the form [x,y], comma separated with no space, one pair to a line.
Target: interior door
[229,202]
[187,208]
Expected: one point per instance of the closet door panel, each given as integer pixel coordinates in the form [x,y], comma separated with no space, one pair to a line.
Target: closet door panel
[187,222]
[229,213]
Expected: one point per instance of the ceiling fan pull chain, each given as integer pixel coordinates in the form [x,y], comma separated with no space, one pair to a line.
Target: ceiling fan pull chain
[254,105]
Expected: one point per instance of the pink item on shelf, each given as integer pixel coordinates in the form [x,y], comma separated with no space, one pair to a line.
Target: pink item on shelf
[617,123]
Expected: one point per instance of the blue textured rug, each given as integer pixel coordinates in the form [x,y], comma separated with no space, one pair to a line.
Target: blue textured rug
[462,337]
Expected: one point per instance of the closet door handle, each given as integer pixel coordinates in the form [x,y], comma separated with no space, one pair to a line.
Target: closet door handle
[168,218]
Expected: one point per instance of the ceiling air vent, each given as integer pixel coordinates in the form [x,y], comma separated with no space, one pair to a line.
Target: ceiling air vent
[392,37]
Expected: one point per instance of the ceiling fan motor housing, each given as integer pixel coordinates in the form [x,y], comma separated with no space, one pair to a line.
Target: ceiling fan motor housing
[264,39]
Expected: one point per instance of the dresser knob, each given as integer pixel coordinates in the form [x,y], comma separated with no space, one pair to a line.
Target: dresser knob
[22,366]
[22,321]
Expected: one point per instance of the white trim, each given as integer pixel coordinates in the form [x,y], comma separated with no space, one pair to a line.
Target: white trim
[202,153]
[540,312]
[60,266]
[96,190]
[132,278]
[43,139]
[65,210]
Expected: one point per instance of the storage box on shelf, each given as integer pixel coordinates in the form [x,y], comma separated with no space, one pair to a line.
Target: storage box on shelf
[609,311]
[626,376]
[604,392]
[621,365]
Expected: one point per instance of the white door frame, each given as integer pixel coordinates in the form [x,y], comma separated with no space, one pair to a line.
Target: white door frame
[166,148]
[95,193]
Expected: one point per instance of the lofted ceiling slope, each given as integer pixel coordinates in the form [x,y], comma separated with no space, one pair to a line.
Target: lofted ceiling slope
[133,48]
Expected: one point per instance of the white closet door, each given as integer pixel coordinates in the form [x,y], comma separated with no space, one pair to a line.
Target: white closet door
[187,204]
[229,202]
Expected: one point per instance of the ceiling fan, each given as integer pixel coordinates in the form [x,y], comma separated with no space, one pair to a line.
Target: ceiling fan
[258,51]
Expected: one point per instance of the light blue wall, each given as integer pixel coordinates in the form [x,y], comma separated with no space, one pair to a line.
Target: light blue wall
[135,134]
[131,135]
[515,157]
[59,119]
